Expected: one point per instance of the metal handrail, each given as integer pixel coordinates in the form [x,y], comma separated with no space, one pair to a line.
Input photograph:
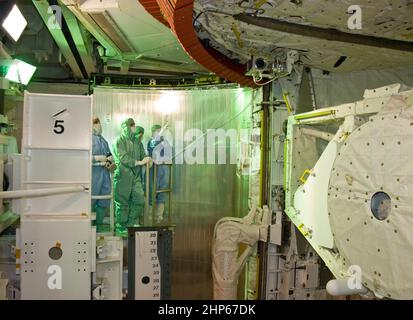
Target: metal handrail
[155,192]
[111,207]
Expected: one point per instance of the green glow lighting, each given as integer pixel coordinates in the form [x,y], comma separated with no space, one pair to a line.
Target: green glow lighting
[20,72]
[14,23]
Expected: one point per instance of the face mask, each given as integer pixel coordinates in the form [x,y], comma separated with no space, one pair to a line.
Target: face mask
[133,129]
[97,129]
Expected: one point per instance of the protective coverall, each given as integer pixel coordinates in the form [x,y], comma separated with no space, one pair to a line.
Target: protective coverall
[129,195]
[101,182]
[162,175]
[140,131]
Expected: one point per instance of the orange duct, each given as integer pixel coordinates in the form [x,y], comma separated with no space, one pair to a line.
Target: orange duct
[152,7]
[177,14]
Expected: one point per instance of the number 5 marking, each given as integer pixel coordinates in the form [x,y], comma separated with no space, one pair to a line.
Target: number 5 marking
[58,127]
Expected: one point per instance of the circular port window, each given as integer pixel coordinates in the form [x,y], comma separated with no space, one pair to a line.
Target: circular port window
[55,253]
[380,205]
[145,280]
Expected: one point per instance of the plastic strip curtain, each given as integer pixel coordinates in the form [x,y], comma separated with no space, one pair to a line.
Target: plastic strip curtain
[202,193]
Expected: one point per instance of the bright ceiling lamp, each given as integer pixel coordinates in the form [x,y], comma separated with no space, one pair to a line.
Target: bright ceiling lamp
[14,23]
[20,72]
[168,102]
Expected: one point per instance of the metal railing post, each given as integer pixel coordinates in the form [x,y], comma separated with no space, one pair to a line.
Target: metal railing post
[146,214]
[154,193]
[170,196]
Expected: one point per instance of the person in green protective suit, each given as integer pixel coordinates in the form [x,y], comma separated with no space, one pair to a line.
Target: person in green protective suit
[139,136]
[129,195]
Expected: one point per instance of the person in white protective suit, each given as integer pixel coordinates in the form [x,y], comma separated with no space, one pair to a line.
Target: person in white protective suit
[228,234]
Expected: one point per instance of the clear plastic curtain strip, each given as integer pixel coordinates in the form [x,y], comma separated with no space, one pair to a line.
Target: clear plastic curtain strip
[203,192]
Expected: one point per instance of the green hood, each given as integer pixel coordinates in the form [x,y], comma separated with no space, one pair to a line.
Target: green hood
[156,127]
[139,130]
[126,131]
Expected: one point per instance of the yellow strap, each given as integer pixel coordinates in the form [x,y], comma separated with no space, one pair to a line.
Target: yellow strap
[305,175]
[259,3]
[287,102]
[301,228]
[237,33]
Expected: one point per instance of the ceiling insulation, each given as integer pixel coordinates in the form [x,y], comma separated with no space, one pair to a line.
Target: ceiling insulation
[131,38]
[387,21]
[106,23]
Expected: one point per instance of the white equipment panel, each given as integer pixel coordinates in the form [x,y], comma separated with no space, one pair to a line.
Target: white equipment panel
[311,198]
[56,151]
[56,258]
[56,121]
[56,235]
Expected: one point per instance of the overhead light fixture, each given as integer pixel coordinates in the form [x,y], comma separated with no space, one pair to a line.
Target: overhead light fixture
[168,102]
[20,72]
[14,23]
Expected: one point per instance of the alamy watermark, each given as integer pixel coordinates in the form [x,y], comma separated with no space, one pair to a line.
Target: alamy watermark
[194,146]
[354,282]
[54,20]
[54,281]
[354,22]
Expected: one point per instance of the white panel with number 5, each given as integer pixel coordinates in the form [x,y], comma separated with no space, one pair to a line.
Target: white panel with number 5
[56,149]
[57,121]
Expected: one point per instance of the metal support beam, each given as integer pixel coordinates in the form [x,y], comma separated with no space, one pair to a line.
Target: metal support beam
[111,49]
[42,7]
[265,188]
[83,44]
[324,34]
[265,146]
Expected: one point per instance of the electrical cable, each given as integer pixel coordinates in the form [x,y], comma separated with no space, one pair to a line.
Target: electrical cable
[268,82]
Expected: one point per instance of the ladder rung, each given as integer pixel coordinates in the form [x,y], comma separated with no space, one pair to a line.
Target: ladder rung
[105,197]
[164,191]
